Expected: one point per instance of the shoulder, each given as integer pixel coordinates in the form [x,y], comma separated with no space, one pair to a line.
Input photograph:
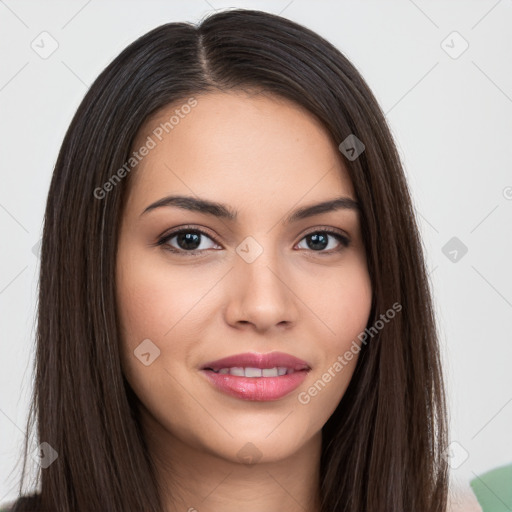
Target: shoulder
[22,504]
[493,489]
[461,498]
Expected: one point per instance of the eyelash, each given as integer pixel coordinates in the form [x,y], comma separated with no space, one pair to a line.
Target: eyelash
[344,241]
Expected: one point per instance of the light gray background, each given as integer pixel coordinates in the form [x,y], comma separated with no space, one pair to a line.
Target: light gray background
[452,120]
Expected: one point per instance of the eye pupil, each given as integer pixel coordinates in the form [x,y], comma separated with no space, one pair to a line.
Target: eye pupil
[319,241]
[190,241]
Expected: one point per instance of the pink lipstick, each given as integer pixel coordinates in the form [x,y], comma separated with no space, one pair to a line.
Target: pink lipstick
[258,377]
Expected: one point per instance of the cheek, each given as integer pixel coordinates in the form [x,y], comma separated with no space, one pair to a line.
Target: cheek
[145,309]
[343,303]
[153,298]
[162,304]
[342,321]
[151,301]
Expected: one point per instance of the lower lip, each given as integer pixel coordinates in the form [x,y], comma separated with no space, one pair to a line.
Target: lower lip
[260,389]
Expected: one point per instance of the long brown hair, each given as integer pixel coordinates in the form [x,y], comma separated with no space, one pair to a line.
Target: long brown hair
[382,448]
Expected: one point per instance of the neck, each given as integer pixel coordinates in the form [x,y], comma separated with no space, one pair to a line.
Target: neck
[192,479]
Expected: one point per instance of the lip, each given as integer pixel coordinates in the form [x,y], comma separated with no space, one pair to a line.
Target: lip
[255,360]
[257,388]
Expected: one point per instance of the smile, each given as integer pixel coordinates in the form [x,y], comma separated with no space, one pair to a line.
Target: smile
[257,377]
[238,371]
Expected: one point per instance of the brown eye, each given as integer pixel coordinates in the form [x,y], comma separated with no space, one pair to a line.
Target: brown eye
[187,240]
[318,241]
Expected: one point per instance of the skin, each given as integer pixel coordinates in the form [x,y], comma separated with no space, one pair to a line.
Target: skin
[264,157]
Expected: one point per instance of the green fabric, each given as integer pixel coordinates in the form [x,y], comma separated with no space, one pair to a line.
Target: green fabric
[494,489]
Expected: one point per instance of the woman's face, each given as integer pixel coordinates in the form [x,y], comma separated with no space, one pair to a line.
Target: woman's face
[263,280]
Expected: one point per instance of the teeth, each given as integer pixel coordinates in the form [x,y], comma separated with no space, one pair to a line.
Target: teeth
[256,372]
[253,372]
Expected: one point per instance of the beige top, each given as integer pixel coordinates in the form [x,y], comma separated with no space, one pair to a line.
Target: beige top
[461,498]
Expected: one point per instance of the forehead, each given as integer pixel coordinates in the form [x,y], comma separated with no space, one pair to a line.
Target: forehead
[240,147]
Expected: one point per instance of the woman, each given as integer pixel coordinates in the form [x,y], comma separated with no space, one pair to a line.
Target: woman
[290,359]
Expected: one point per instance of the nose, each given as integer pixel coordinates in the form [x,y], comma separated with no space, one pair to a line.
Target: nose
[261,294]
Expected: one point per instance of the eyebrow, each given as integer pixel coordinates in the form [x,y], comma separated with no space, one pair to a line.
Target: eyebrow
[223,211]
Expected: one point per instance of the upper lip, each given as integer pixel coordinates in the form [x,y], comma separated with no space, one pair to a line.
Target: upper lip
[255,360]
